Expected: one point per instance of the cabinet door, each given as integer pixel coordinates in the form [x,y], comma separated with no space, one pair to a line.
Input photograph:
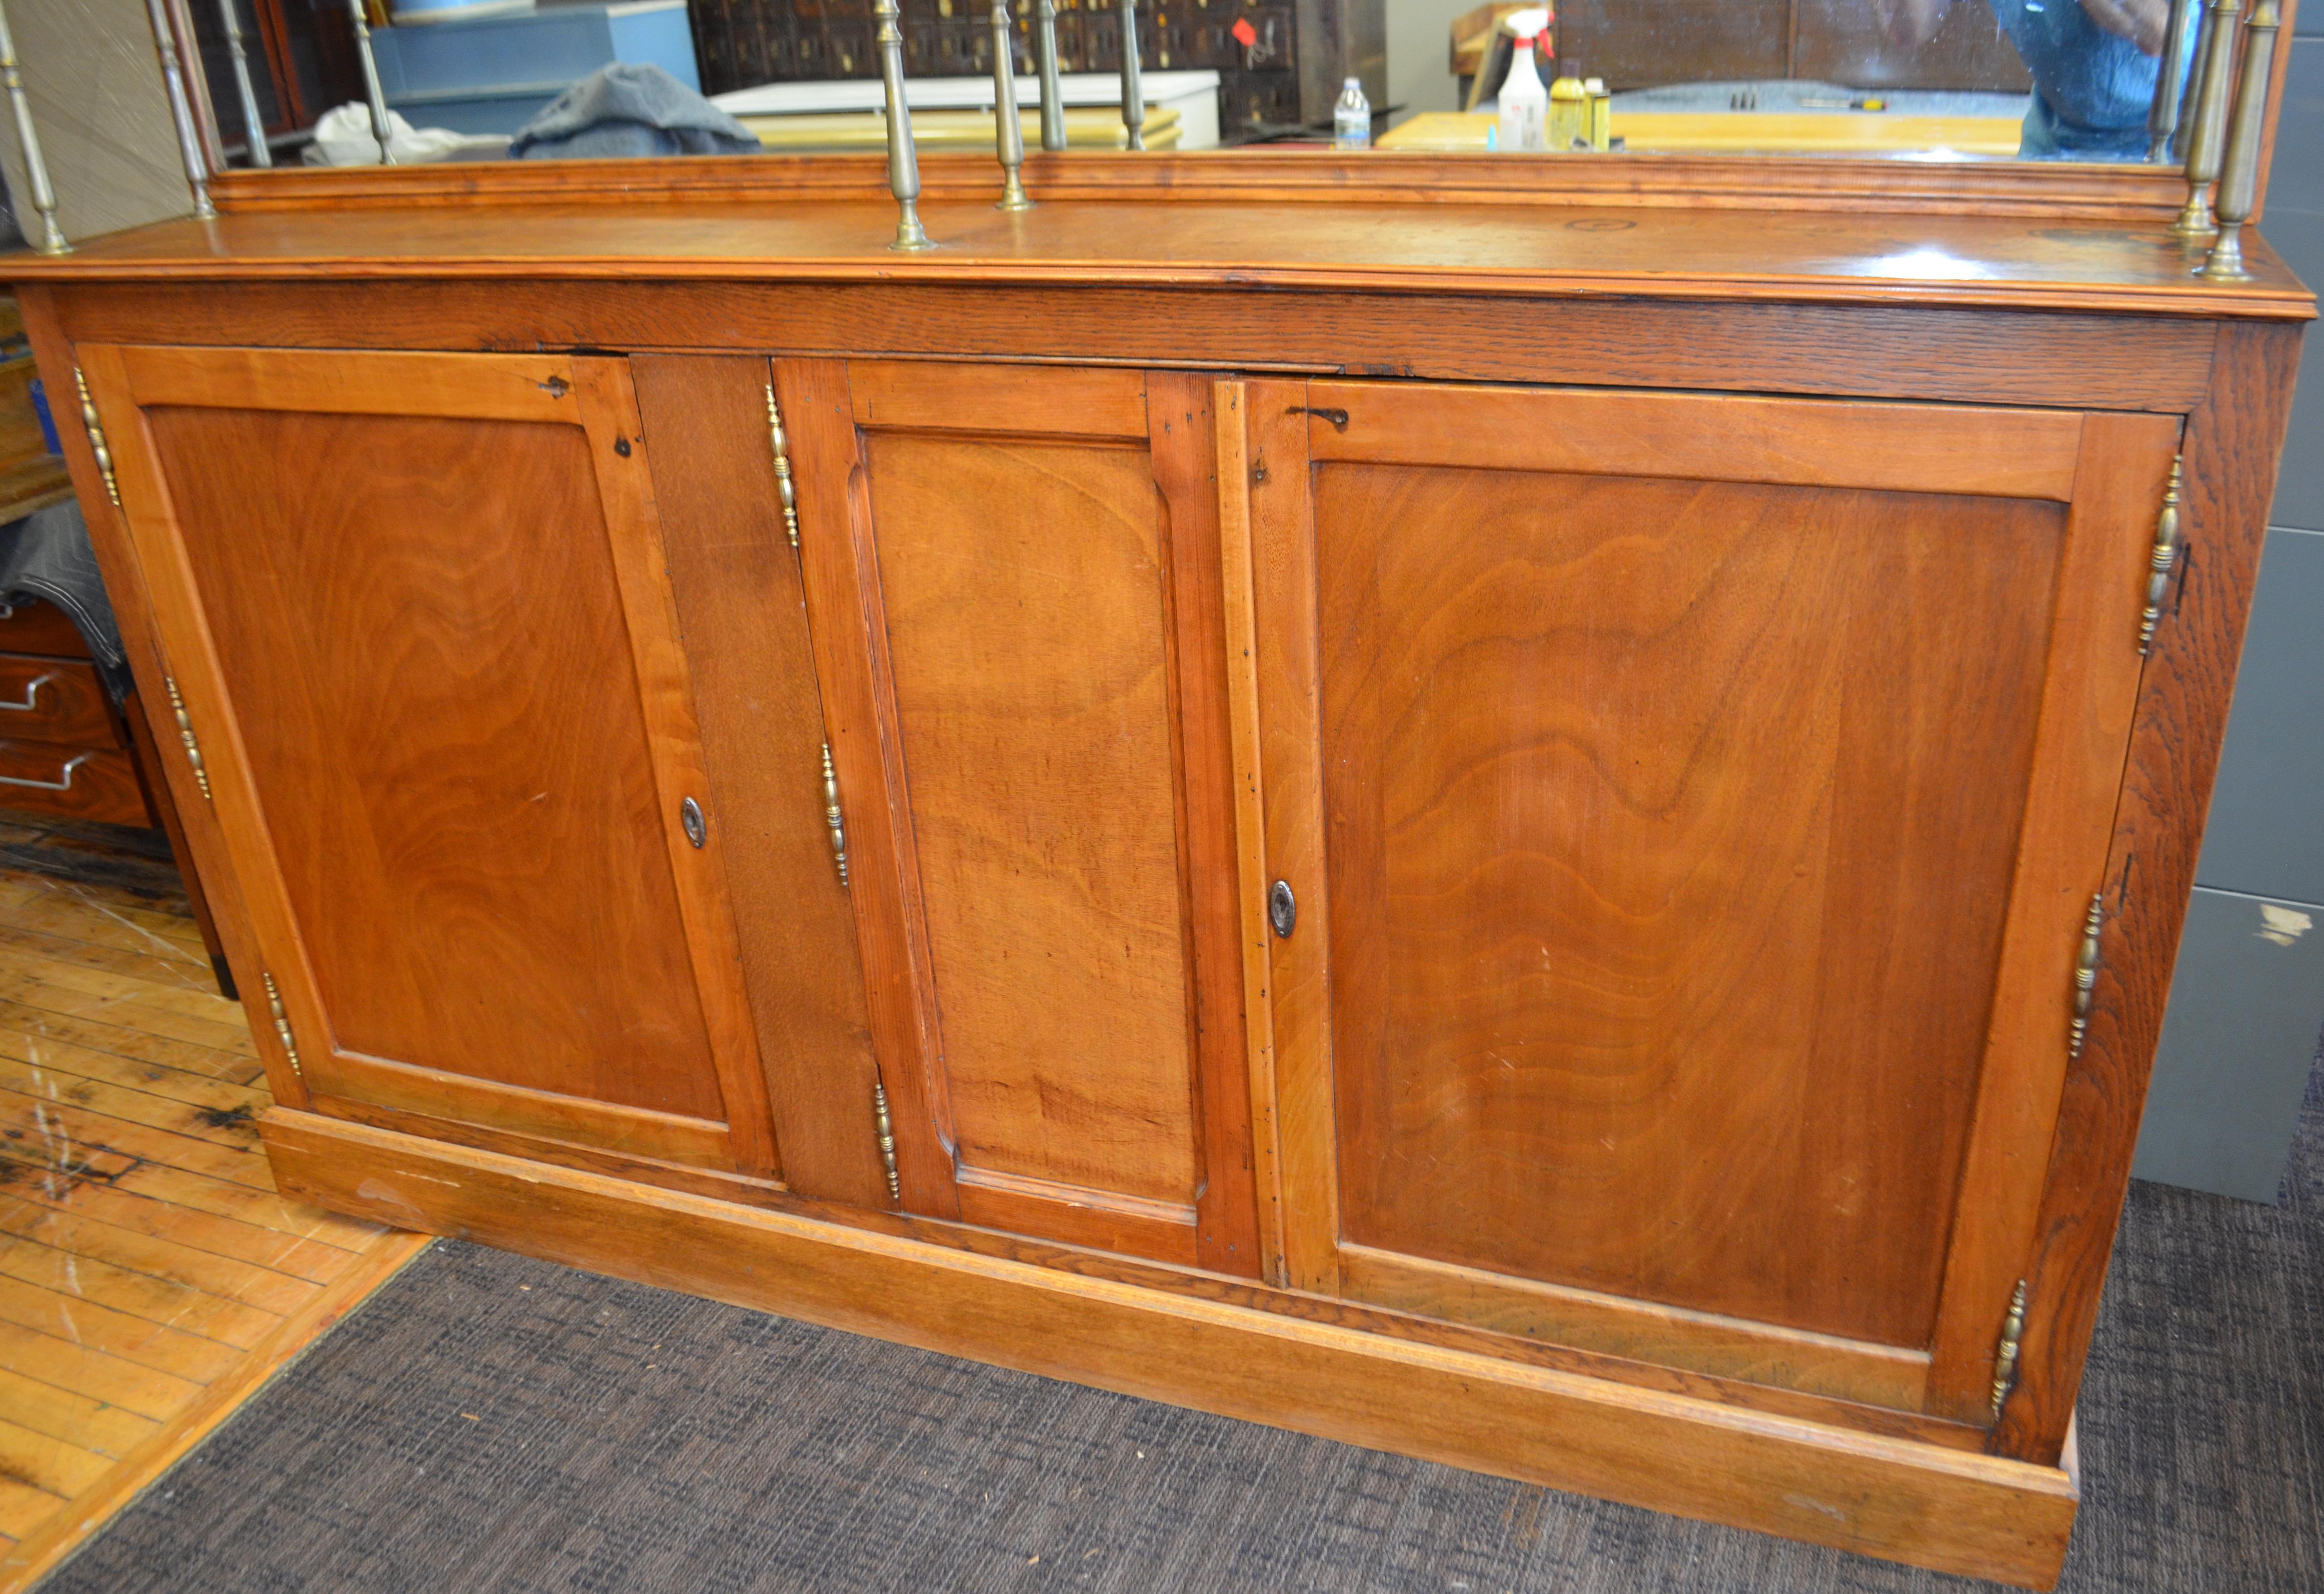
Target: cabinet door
[414,609]
[1694,807]
[1012,576]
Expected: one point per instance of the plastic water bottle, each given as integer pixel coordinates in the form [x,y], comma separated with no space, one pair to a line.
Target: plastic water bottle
[1352,118]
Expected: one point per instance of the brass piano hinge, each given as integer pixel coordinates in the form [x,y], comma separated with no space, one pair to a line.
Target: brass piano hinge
[2166,555]
[97,438]
[186,735]
[782,447]
[2086,974]
[2005,1358]
[282,1023]
[887,1137]
[832,816]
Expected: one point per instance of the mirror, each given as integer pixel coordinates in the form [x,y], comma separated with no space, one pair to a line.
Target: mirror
[2109,81]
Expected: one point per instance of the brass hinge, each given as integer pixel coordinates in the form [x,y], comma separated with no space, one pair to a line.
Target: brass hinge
[2086,975]
[832,816]
[887,1137]
[2166,555]
[2005,1358]
[97,438]
[782,447]
[186,735]
[282,1023]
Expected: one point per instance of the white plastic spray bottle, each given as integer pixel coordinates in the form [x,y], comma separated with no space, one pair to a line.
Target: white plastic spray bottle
[1525,102]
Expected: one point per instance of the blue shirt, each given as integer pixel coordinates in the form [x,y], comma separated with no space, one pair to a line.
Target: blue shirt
[2092,90]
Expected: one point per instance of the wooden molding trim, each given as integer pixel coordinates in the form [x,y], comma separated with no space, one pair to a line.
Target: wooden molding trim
[2078,191]
[1931,1507]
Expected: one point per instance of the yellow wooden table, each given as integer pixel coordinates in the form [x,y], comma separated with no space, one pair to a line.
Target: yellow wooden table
[1695,133]
[1092,127]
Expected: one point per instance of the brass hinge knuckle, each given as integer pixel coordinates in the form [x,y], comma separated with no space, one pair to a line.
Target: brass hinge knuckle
[2005,1357]
[2165,557]
[832,816]
[887,1137]
[186,735]
[97,444]
[282,1024]
[781,444]
[2085,976]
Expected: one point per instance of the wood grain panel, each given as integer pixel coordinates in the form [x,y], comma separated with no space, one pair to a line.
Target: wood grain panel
[1670,829]
[848,624]
[514,387]
[1704,436]
[2232,442]
[421,630]
[1085,403]
[1965,356]
[2091,683]
[1029,633]
[742,609]
[1636,1331]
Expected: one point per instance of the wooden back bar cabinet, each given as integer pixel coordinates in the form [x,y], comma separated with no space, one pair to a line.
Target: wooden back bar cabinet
[1547,833]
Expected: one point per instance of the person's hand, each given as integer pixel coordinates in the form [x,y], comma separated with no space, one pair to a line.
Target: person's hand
[1909,24]
[2143,23]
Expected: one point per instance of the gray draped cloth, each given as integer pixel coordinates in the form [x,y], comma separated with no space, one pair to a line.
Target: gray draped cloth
[46,556]
[627,109]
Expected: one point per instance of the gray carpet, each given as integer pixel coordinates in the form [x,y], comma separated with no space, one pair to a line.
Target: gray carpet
[489,1423]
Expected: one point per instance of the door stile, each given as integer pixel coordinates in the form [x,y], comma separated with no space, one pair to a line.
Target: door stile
[1239,603]
[847,624]
[2081,738]
[1284,609]
[1182,436]
[609,415]
[182,636]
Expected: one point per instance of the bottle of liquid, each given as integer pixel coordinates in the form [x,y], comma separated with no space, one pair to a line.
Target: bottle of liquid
[1352,118]
[1525,102]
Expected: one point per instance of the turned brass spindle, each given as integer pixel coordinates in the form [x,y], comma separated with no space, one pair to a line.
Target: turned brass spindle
[255,126]
[182,109]
[2170,84]
[380,124]
[1008,137]
[2197,70]
[52,240]
[903,160]
[2210,120]
[1133,97]
[1053,92]
[2240,173]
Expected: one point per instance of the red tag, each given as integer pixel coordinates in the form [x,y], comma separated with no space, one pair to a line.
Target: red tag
[1245,34]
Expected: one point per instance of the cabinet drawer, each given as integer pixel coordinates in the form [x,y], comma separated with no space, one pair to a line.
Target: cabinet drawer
[80,782]
[54,700]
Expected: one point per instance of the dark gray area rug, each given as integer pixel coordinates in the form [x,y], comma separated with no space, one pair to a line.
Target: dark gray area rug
[487,1423]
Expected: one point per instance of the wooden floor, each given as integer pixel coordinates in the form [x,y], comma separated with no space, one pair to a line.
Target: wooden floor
[151,1279]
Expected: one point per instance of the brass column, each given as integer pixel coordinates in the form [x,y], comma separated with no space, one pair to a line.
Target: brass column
[2239,177]
[52,240]
[2170,85]
[254,125]
[182,109]
[2210,120]
[1053,92]
[1133,97]
[1008,137]
[903,160]
[379,122]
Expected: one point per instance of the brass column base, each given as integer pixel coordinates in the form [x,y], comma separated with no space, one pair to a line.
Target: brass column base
[2225,264]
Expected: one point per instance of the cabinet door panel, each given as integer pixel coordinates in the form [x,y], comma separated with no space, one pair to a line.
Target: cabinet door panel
[1033,574]
[1644,799]
[442,709]
[1691,841]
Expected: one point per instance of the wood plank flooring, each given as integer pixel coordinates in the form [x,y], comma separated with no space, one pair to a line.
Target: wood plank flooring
[150,1278]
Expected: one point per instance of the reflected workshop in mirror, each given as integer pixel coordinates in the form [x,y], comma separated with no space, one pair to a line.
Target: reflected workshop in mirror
[1488,740]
